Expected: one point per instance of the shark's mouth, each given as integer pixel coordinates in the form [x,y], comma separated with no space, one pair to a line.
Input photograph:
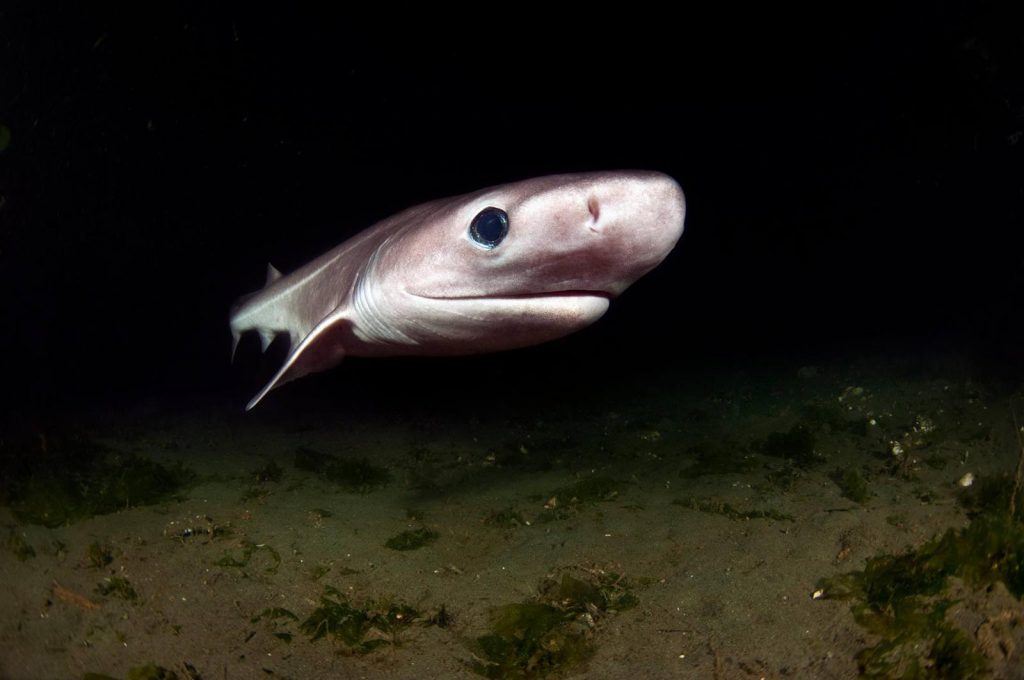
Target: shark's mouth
[525,296]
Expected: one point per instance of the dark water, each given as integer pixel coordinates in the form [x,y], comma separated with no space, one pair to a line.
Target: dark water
[854,195]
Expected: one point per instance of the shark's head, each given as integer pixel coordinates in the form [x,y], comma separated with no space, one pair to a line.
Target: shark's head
[517,264]
[504,267]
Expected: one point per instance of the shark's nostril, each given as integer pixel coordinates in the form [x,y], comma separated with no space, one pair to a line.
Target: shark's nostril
[595,210]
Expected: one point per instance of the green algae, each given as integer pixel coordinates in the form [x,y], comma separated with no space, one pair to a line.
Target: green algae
[413,539]
[991,495]
[796,445]
[537,457]
[256,554]
[151,672]
[18,546]
[99,555]
[903,599]
[117,586]
[832,416]
[567,501]
[551,635]
[355,476]
[717,458]
[440,617]
[784,478]
[726,510]
[590,490]
[271,472]
[359,629]
[274,618]
[508,518]
[531,640]
[148,672]
[851,484]
[73,478]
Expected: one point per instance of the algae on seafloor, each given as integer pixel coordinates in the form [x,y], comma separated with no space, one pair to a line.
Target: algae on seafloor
[784,478]
[273,618]
[539,456]
[590,490]
[717,458]
[796,445]
[412,539]
[565,501]
[18,546]
[360,630]
[72,478]
[829,414]
[249,551]
[99,555]
[726,510]
[531,640]
[509,518]
[903,599]
[991,495]
[118,586]
[356,476]
[851,484]
[151,672]
[148,672]
[271,472]
[552,634]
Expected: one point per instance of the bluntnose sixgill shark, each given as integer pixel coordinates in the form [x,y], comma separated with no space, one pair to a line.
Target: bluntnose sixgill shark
[505,267]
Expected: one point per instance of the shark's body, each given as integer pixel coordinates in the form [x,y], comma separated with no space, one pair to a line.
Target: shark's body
[504,267]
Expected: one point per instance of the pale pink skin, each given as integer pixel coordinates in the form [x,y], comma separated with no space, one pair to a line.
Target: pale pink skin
[417,284]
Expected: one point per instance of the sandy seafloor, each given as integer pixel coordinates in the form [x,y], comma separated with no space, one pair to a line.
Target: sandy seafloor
[718,597]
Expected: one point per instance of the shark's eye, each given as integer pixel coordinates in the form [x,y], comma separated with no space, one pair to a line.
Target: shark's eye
[489,227]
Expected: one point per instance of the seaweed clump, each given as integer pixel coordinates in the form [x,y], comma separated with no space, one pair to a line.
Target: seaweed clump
[904,599]
[271,472]
[796,446]
[992,495]
[851,484]
[356,476]
[553,634]
[18,546]
[412,539]
[727,510]
[508,518]
[148,672]
[360,630]
[63,480]
[118,586]
[716,458]
[272,617]
[568,500]
[250,551]
[99,555]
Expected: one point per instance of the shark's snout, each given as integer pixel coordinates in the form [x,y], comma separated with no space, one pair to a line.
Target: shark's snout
[628,224]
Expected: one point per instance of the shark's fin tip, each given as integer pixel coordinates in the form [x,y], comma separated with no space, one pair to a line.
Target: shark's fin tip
[272,274]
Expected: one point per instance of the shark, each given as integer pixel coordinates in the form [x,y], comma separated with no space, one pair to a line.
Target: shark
[501,268]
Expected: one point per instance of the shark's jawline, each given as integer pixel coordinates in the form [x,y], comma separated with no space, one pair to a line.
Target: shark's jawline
[522,296]
[415,283]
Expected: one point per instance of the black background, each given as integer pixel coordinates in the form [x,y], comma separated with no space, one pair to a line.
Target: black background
[854,175]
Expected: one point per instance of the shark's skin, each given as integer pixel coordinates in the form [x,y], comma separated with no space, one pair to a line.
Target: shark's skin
[420,283]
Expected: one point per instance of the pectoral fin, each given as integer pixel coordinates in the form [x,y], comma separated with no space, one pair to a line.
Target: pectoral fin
[323,348]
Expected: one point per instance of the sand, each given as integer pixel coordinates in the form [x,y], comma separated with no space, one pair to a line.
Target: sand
[718,597]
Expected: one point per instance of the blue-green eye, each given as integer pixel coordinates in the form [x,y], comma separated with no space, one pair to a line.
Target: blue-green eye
[489,227]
